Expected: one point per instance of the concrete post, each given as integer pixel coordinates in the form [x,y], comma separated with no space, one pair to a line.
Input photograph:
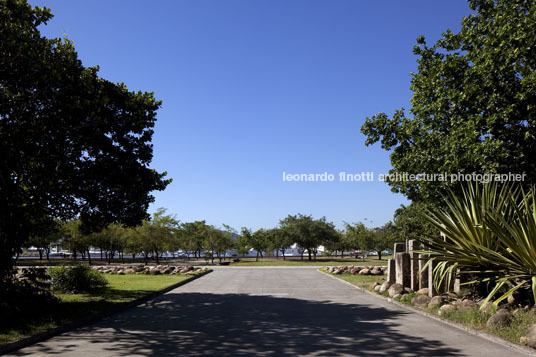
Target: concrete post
[402,262]
[423,274]
[399,248]
[391,271]
[414,264]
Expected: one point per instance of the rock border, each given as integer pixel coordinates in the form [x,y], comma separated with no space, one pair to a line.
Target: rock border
[496,339]
[45,335]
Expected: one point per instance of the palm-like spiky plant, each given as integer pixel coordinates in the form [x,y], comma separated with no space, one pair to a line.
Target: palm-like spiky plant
[489,231]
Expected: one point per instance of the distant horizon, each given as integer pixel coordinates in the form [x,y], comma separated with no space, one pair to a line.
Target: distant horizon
[252,90]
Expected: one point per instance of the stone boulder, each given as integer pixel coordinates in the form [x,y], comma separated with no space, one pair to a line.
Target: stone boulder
[385,286]
[376,271]
[466,304]
[421,300]
[365,271]
[530,336]
[423,291]
[445,309]
[500,319]
[168,270]
[436,302]
[396,289]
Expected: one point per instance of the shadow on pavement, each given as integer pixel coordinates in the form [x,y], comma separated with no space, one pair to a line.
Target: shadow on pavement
[243,325]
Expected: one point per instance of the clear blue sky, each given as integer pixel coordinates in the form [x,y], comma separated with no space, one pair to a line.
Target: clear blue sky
[252,89]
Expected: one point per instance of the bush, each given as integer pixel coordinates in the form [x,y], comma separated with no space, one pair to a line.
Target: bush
[76,278]
[22,302]
[491,238]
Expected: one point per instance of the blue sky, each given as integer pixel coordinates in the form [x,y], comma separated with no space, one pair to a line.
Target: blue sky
[252,89]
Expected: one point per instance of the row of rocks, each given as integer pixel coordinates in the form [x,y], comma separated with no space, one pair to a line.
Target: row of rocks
[355,269]
[450,302]
[146,269]
[394,290]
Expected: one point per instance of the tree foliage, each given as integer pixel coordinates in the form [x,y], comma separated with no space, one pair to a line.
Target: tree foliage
[473,104]
[73,144]
[279,240]
[191,237]
[410,222]
[309,233]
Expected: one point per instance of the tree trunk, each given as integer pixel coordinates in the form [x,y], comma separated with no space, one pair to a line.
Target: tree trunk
[283,253]
[380,255]
[156,257]
[257,257]
[309,253]
[40,254]
[89,256]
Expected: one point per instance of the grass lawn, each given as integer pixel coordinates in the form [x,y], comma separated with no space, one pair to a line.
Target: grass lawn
[363,281]
[471,317]
[477,319]
[294,261]
[121,289]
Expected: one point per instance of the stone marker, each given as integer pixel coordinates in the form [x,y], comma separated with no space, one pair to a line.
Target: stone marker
[402,263]
[414,264]
[423,275]
[391,271]
[399,248]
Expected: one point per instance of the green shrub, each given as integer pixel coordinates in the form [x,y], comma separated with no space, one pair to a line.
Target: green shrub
[491,235]
[23,302]
[76,278]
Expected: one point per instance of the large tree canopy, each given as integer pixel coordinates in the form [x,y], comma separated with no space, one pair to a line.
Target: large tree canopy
[308,232]
[474,102]
[72,144]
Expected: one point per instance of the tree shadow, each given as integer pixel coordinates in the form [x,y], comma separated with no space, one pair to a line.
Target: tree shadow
[243,325]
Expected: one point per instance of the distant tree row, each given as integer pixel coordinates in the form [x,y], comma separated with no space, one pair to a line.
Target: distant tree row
[165,234]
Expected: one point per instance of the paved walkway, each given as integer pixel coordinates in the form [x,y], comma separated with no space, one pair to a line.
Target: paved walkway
[271,311]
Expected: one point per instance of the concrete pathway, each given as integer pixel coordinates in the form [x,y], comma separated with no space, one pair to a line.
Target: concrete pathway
[268,311]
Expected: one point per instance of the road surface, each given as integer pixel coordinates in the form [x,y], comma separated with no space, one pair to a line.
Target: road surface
[267,311]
